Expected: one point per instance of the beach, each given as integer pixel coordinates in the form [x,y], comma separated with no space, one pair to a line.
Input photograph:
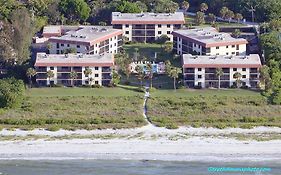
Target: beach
[145,143]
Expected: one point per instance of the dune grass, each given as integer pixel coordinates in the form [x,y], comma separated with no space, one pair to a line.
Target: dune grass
[121,107]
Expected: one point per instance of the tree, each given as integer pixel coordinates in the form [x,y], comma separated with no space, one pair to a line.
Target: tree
[200,18]
[219,73]
[185,5]
[50,74]
[238,17]
[162,39]
[73,75]
[102,23]
[237,76]
[87,73]
[115,78]
[174,73]
[168,66]
[75,10]
[275,24]
[128,7]
[203,7]
[223,12]
[168,47]
[265,79]
[236,33]
[276,97]
[142,6]
[211,18]
[165,6]
[149,72]
[136,54]
[11,92]
[140,74]
[229,15]
[30,73]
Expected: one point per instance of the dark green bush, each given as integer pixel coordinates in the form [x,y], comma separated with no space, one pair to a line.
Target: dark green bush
[11,92]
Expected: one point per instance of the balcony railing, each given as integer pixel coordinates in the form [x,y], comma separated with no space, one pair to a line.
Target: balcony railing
[106,69]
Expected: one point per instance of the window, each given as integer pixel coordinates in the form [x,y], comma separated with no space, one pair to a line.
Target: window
[96,75]
[114,44]
[110,39]
[58,45]
[232,53]
[227,53]
[168,25]
[51,68]
[243,69]
[226,46]
[237,47]
[110,46]
[199,76]
[96,68]
[168,32]
[58,52]
[217,47]
[127,32]
[115,37]
[68,45]
[96,82]
[159,32]
[244,76]
[237,53]
[217,54]
[96,45]
[199,84]
[62,45]
[234,69]
[159,25]
[233,46]
[78,46]
[199,69]
[127,25]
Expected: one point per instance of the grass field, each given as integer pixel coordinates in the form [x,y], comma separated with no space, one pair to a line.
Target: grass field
[77,108]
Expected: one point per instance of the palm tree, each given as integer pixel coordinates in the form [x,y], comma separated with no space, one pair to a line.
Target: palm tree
[229,15]
[168,47]
[238,17]
[30,73]
[73,75]
[211,18]
[140,74]
[237,76]
[203,7]
[167,67]
[50,74]
[174,73]
[149,71]
[200,18]
[223,12]
[87,73]
[236,33]
[219,73]
[185,5]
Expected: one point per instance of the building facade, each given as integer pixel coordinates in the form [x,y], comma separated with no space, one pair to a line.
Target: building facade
[83,39]
[63,65]
[207,41]
[147,27]
[200,71]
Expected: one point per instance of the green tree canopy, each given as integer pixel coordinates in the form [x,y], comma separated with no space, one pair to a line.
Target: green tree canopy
[75,9]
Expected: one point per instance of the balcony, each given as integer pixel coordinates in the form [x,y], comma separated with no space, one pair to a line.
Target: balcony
[189,70]
[41,76]
[64,69]
[106,76]
[41,69]
[106,69]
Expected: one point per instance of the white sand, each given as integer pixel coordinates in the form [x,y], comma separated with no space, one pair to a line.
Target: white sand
[148,142]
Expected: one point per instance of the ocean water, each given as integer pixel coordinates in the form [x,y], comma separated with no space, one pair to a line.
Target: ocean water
[127,167]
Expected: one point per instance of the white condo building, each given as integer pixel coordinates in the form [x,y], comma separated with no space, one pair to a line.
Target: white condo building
[200,71]
[207,41]
[83,39]
[147,27]
[63,64]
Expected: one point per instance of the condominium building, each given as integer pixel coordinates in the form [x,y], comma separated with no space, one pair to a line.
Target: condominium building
[207,41]
[200,71]
[147,27]
[83,39]
[62,66]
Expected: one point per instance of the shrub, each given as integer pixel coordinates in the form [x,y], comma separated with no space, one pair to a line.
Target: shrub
[172,126]
[276,97]
[86,86]
[57,85]
[153,89]
[54,128]
[11,92]
[96,86]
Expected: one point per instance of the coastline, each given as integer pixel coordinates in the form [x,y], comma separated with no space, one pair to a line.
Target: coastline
[145,143]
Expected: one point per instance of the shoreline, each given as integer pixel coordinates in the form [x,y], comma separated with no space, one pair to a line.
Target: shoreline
[145,143]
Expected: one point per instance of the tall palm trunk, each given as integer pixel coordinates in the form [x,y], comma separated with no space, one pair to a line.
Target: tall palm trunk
[219,82]
[150,82]
[175,84]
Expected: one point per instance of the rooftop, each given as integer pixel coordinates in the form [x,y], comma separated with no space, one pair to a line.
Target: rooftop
[221,61]
[44,59]
[86,34]
[209,37]
[147,18]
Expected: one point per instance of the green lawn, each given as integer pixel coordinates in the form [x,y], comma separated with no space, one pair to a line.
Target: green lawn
[121,107]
